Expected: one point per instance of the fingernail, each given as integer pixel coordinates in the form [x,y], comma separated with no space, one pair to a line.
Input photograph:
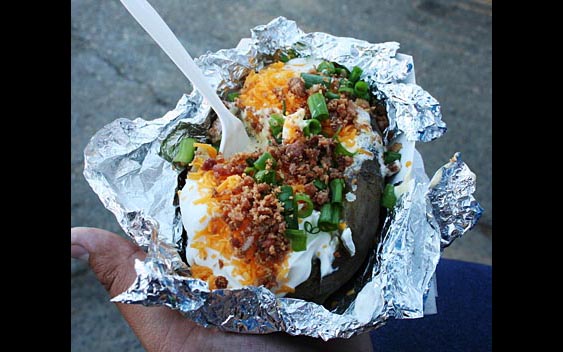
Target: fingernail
[79,252]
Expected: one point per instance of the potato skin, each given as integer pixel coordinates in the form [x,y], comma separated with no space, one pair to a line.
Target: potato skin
[362,216]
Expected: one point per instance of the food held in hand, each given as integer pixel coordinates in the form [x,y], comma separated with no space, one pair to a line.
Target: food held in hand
[299,211]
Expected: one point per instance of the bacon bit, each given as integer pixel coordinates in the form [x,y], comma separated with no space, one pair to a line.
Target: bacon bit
[220,264]
[221,282]
[395,147]
[337,254]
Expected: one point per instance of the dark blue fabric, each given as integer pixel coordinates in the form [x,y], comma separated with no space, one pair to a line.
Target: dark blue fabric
[464,319]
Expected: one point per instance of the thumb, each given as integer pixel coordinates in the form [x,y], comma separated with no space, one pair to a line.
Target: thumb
[110,256]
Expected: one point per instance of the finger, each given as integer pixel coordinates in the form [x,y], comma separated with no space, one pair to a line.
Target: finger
[110,256]
[111,259]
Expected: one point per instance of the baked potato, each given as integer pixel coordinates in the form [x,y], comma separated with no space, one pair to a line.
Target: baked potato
[298,211]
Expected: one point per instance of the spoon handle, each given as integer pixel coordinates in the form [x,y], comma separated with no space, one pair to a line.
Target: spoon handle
[155,26]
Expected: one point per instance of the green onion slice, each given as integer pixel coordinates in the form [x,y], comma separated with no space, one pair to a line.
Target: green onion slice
[341,150]
[355,74]
[331,95]
[326,67]
[310,228]
[326,219]
[345,89]
[232,96]
[260,164]
[388,199]
[319,184]
[185,153]
[312,127]
[317,106]
[276,124]
[390,156]
[265,176]
[298,239]
[336,190]
[307,208]
[311,80]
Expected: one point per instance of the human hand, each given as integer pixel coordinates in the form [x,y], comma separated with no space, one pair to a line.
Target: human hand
[111,258]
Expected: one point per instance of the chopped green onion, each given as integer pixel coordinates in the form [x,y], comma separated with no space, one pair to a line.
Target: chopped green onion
[361,90]
[319,184]
[326,67]
[344,82]
[232,96]
[250,161]
[298,239]
[285,193]
[312,127]
[355,74]
[336,188]
[249,170]
[289,207]
[307,208]
[285,57]
[260,164]
[311,80]
[336,211]
[265,176]
[388,199]
[390,156]
[361,86]
[326,219]
[291,221]
[339,69]
[310,228]
[335,135]
[341,150]
[185,153]
[276,125]
[346,90]
[317,106]
[331,95]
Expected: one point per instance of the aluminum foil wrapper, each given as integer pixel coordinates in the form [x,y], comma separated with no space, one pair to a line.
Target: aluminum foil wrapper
[451,192]
[127,163]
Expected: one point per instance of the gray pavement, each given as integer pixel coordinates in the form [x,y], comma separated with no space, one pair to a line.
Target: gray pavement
[118,71]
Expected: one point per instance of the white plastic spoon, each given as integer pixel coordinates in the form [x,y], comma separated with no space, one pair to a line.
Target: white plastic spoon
[234,138]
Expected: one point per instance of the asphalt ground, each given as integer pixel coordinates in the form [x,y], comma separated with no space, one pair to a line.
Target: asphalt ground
[118,71]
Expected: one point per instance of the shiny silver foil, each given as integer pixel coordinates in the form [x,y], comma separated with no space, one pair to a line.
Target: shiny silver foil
[127,163]
[454,178]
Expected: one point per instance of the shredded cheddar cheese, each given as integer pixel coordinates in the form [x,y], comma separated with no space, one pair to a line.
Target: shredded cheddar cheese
[347,135]
[212,152]
[217,236]
[269,88]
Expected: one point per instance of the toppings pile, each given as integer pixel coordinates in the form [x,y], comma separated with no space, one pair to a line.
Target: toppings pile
[264,205]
